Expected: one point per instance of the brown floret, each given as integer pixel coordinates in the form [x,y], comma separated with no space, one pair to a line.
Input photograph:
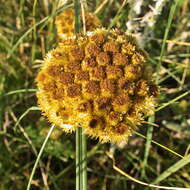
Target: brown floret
[58,93]
[65,30]
[63,114]
[93,87]
[98,38]
[142,88]
[125,84]
[153,89]
[74,90]
[85,106]
[111,47]
[118,32]
[57,55]
[77,54]
[122,99]
[68,41]
[92,49]
[49,86]
[55,70]
[103,103]
[139,99]
[121,128]
[66,78]
[68,13]
[133,72]
[94,122]
[82,76]
[103,58]
[120,59]
[131,112]
[128,48]
[109,85]
[114,71]
[137,59]
[41,77]
[73,66]
[72,30]
[99,73]
[70,21]
[115,116]
[90,62]
[92,22]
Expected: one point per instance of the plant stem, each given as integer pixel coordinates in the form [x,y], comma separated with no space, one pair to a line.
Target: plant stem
[148,145]
[81,174]
[77,16]
[81,154]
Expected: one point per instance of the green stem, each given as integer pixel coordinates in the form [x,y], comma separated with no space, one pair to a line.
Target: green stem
[148,145]
[77,16]
[81,170]
[81,154]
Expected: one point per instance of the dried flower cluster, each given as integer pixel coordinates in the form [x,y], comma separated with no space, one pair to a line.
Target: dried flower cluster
[65,23]
[100,82]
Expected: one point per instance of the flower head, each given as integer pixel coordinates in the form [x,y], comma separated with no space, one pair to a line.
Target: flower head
[65,23]
[98,82]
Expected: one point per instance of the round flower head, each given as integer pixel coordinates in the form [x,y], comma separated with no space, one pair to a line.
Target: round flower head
[65,23]
[99,82]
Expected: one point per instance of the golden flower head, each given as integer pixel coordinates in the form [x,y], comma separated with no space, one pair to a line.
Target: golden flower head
[65,23]
[99,82]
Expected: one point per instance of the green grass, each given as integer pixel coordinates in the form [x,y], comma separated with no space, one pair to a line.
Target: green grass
[157,155]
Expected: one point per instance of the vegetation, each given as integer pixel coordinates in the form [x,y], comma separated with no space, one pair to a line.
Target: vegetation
[158,152]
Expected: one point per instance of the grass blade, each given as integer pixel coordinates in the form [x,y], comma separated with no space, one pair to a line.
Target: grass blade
[148,144]
[39,156]
[160,145]
[175,167]
[20,91]
[34,108]
[173,100]
[170,18]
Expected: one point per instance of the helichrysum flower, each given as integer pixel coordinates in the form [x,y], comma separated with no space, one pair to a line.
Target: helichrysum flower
[100,82]
[65,23]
